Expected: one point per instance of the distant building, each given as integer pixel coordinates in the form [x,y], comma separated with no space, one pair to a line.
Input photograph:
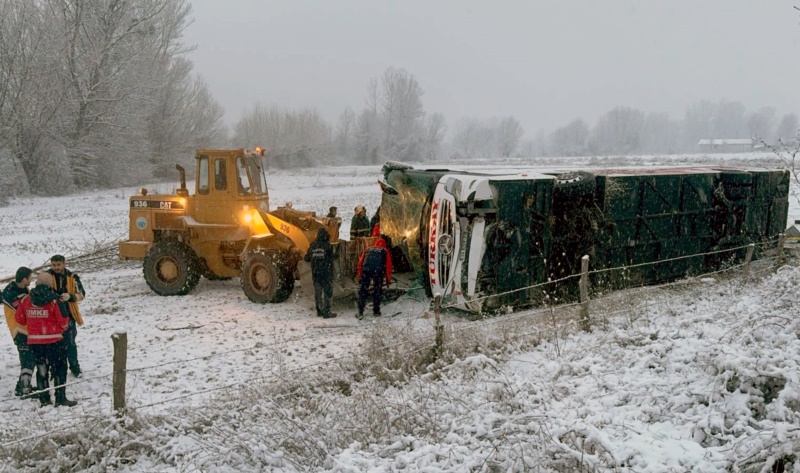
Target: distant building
[728,145]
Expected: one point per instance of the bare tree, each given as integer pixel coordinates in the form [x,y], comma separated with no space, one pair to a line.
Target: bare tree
[402,114]
[618,132]
[373,98]
[345,131]
[97,88]
[509,132]
[571,139]
[486,139]
[729,121]
[466,137]
[434,135]
[30,96]
[787,128]
[760,123]
[367,139]
[698,123]
[184,116]
[660,134]
[292,138]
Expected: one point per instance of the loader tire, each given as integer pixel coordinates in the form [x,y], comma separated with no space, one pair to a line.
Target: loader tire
[288,285]
[265,278]
[170,268]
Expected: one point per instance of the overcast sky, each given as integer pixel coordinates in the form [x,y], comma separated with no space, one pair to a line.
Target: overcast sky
[545,62]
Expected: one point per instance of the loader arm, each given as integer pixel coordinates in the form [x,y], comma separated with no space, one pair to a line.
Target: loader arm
[277,225]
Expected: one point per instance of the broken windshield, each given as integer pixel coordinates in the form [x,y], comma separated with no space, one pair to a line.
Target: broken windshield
[257,175]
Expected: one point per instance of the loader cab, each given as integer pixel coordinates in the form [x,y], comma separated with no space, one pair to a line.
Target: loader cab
[228,181]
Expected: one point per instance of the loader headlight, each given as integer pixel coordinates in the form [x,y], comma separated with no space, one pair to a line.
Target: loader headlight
[245,216]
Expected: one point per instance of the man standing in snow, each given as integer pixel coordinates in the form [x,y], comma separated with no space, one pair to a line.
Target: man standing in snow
[46,328]
[320,255]
[12,296]
[68,286]
[375,264]
[359,226]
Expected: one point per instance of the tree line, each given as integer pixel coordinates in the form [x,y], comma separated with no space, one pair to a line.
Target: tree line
[625,130]
[393,125]
[97,93]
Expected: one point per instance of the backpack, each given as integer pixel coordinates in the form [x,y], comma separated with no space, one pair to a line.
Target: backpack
[374,260]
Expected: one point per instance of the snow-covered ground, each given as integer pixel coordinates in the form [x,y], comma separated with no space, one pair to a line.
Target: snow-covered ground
[696,376]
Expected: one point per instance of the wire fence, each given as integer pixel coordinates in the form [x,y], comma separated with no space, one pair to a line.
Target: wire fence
[562,323]
[554,282]
[465,326]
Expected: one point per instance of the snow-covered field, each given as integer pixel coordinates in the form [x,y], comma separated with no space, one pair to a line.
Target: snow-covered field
[696,376]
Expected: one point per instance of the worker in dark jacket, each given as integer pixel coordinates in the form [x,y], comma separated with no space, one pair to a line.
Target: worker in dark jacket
[359,226]
[375,223]
[374,265]
[320,255]
[46,327]
[12,296]
[68,286]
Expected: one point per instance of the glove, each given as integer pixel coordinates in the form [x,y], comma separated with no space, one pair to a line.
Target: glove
[65,297]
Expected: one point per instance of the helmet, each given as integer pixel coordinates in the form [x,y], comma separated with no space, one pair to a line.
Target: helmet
[360,208]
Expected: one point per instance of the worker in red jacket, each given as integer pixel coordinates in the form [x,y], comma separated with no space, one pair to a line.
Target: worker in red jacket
[375,264]
[46,326]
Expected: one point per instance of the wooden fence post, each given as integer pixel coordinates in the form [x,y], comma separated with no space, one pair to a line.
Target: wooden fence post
[747,258]
[584,286]
[437,303]
[781,253]
[120,340]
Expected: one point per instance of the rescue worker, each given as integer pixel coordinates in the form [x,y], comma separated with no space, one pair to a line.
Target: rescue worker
[12,296]
[46,328]
[375,223]
[320,255]
[374,265]
[68,286]
[359,226]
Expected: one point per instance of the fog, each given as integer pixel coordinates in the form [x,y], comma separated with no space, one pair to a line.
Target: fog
[545,63]
[363,82]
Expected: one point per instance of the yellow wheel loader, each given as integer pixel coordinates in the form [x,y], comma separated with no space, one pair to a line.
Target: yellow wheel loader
[226,229]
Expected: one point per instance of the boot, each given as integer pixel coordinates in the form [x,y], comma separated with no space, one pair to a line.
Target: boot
[66,402]
[18,389]
[61,399]
[44,399]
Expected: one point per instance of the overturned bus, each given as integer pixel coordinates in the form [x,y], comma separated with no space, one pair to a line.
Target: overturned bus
[484,240]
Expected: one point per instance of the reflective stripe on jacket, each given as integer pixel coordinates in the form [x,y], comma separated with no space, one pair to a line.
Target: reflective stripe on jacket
[45,324]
